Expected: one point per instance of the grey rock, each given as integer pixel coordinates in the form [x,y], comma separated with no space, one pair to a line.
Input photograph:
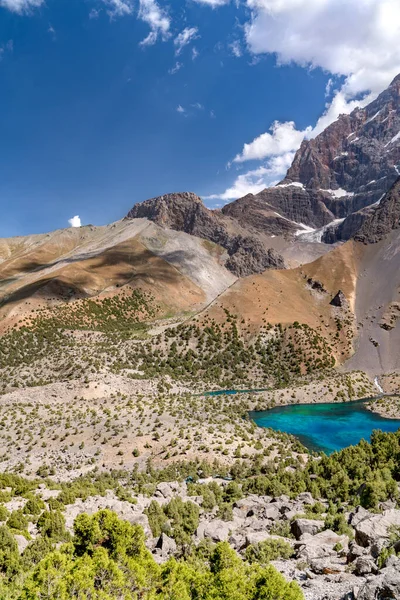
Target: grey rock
[22,542]
[385,586]
[327,566]
[301,526]
[354,552]
[166,544]
[375,528]
[364,565]
[217,530]
[320,545]
[305,498]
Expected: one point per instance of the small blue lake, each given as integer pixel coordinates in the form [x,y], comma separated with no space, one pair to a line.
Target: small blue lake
[326,427]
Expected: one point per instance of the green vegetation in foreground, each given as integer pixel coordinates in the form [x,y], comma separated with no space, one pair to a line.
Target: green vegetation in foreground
[107,559]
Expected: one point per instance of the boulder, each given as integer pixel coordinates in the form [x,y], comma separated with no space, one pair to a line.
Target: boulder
[364,565]
[320,545]
[271,512]
[339,300]
[166,544]
[354,552]
[217,530]
[385,586]
[22,542]
[301,526]
[171,489]
[305,498]
[375,528]
[327,566]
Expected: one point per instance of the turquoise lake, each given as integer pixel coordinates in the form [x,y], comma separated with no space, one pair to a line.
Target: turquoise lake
[326,427]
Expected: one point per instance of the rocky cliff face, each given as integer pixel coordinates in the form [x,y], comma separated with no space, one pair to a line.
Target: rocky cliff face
[348,167]
[384,219]
[184,211]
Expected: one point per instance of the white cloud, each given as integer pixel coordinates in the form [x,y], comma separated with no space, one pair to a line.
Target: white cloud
[180,109]
[177,66]
[284,137]
[357,38]
[94,14]
[117,8]
[236,49]
[352,39]
[20,6]
[75,221]
[184,38]
[197,105]
[195,53]
[213,3]
[158,20]
[256,180]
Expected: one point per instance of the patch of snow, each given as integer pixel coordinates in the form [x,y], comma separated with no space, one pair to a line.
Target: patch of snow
[304,228]
[339,193]
[370,182]
[355,140]
[349,136]
[394,139]
[317,234]
[293,184]
[397,169]
[341,154]
[372,118]
[378,385]
[378,201]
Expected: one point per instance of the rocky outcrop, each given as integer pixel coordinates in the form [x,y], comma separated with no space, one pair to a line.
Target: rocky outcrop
[358,153]
[281,210]
[339,300]
[374,529]
[184,211]
[384,219]
[348,228]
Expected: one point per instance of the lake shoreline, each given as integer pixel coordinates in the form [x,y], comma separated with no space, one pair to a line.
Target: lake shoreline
[387,406]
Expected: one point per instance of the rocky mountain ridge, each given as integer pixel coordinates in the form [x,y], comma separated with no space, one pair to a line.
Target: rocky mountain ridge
[333,185]
[184,211]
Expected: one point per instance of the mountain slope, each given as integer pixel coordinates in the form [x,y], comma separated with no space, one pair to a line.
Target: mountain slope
[184,211]
[181,272]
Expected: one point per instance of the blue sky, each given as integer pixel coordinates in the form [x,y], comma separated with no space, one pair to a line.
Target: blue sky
[104,103]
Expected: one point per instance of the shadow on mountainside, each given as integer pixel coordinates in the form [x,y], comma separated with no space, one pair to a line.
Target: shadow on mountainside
[114,268]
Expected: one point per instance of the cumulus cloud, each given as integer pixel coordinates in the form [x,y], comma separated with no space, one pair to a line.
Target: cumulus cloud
[180,109]
[158,20]
[284,137]
[356,41]
[20,6]
[256,180]
[75,221]
[184,38]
